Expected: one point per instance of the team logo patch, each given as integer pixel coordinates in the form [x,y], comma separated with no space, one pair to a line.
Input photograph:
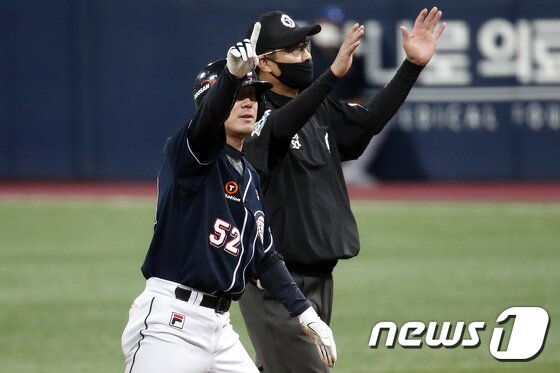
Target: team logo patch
[231,188]
[287,21]
[259,219]
[260,124]
[177,320]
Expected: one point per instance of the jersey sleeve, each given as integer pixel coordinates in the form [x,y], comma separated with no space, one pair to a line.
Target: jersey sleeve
[278,282]
[201,141]
[273,274]
[354,125]
[288,120]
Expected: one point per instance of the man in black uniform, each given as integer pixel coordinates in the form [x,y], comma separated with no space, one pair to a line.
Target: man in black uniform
[211,237]
[297,148]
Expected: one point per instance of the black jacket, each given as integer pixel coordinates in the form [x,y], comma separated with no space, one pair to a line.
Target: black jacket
[297,148]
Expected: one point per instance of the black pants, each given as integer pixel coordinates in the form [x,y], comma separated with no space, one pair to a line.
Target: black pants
[279,342]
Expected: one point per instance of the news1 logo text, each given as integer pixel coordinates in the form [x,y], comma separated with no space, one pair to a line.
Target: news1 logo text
[526,339]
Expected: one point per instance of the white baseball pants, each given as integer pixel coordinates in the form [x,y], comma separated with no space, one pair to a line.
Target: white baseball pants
[168,335]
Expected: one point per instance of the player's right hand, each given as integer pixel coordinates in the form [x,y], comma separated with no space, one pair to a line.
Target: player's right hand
[242,57]
[320,334]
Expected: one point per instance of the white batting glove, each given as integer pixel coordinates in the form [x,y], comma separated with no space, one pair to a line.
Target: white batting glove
[242,57]
[320,334]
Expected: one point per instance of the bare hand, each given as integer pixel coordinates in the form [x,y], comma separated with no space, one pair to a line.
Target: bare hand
[420,44]
[343,60]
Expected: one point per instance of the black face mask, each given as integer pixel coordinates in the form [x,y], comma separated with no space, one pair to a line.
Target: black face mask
[296,75]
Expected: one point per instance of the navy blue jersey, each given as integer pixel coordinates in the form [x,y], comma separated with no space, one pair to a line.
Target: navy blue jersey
[211,232]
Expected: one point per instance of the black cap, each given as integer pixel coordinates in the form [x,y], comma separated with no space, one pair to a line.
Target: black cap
[278,31]
[208,76]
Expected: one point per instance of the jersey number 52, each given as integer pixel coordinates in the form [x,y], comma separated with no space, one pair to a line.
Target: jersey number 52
[220,237]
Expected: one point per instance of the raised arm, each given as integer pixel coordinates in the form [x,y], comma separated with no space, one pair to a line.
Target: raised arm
[355,125]
[206,131]
[289,119]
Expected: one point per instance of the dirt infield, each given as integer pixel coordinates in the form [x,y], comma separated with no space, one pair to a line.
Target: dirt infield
[523,192]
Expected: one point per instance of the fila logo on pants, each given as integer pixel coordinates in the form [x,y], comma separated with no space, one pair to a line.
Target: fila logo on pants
[177,320]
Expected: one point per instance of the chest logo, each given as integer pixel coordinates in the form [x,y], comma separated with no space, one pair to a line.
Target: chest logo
[231,188]
[296,144]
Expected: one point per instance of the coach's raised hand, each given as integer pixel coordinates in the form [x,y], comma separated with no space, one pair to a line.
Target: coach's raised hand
[242,57]
[420,44]
[343,60]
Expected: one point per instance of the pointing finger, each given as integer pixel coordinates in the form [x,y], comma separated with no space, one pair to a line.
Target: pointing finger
[255,35]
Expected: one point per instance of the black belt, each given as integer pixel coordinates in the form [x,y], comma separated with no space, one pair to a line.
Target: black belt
[319,269]
[218,304]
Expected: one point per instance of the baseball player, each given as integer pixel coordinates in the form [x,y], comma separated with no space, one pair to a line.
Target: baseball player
[211,237]
[297,147]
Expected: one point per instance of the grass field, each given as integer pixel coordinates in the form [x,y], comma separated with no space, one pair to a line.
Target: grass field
[70,269]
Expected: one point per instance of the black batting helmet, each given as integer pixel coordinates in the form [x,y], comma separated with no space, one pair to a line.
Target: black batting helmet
[208,76]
